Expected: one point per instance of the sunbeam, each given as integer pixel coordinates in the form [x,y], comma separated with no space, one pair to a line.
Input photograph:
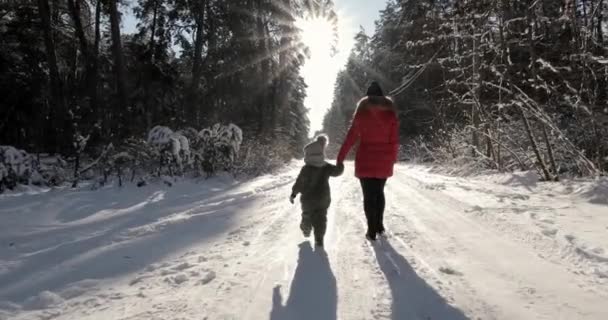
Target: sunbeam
[329,40]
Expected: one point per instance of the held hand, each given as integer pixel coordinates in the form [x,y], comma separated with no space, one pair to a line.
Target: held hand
[292,198]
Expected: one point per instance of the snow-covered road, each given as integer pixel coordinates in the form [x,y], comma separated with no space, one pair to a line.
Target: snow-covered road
[492,247]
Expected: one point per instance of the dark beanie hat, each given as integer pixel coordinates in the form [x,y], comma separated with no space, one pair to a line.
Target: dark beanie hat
[375,90]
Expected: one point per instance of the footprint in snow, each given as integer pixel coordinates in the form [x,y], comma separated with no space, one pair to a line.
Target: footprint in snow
[177,280]
[183,266]
[549,232]
[450,271]
[547,221]
[475,209]
[210,276]
[166,272]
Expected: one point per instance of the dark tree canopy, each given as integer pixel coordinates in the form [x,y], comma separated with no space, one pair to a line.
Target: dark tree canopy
[67,69]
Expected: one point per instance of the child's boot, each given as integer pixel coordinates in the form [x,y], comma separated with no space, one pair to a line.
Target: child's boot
[318,242]
[306,225]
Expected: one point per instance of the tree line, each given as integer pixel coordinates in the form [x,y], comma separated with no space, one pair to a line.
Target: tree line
[508,84]
[68,70]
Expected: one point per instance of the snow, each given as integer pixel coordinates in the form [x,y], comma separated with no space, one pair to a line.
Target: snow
[500,246]
[43,300]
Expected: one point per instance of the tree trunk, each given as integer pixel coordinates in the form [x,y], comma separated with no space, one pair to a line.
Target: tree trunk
[119,67]
[475,107]
[284,61]
[584,12]
[215,101]
[533,58]
[153,30]
[550,152]
[90,58]
[58,103]
[539,157]
[489,146]
[95,68]
[600,20]
[264,55]
[197,63]
[602,91]
[146,115]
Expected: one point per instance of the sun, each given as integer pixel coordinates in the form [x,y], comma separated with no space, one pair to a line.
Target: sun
[329,45]
[318,36]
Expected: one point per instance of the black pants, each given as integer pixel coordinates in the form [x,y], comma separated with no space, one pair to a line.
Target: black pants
[314,220]
[373,204]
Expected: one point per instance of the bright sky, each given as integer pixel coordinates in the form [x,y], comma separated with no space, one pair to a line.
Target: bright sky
[321,70]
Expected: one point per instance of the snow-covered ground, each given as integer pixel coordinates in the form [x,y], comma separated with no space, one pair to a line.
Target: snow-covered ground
[491,247]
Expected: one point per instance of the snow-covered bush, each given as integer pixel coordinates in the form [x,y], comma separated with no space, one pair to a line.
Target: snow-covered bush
[159,135]
[174,148]
[19,167]
[3,176]
[191,134]
[135,158]
[16,167]
[121,161]
[218,148]
[49,170]
[164,153]
[256,158]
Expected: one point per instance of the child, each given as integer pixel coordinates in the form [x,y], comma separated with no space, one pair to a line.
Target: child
[313,184]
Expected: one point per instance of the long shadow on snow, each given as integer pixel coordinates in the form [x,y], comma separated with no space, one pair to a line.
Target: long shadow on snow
[129,208]
[413,298]
[313,292]
[120,247]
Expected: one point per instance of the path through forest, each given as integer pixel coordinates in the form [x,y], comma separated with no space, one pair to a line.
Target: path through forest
[492,247]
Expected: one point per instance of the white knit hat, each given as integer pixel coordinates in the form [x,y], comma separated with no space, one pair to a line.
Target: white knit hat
[314,152]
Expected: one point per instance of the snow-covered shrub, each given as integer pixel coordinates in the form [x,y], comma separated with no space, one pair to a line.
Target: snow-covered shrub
[256,158]
[144,159]
[218,148]
[3,176]
[16,167]
[135,158]
[191,134]
[16,160]
[49,170]
[174,148]
[80,142]
[121,161]
[184,153]
[159,135]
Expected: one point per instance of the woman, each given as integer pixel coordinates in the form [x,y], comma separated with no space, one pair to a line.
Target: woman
[376,128]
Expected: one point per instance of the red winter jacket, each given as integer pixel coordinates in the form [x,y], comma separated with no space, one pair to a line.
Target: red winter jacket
[376,127]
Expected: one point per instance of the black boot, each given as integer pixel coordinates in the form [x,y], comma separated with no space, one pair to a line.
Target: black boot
[380,222]
[306,225]
[381,231]
[371,236]
[319,242]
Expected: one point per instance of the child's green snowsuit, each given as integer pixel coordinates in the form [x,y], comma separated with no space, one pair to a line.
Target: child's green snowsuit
[313,184]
